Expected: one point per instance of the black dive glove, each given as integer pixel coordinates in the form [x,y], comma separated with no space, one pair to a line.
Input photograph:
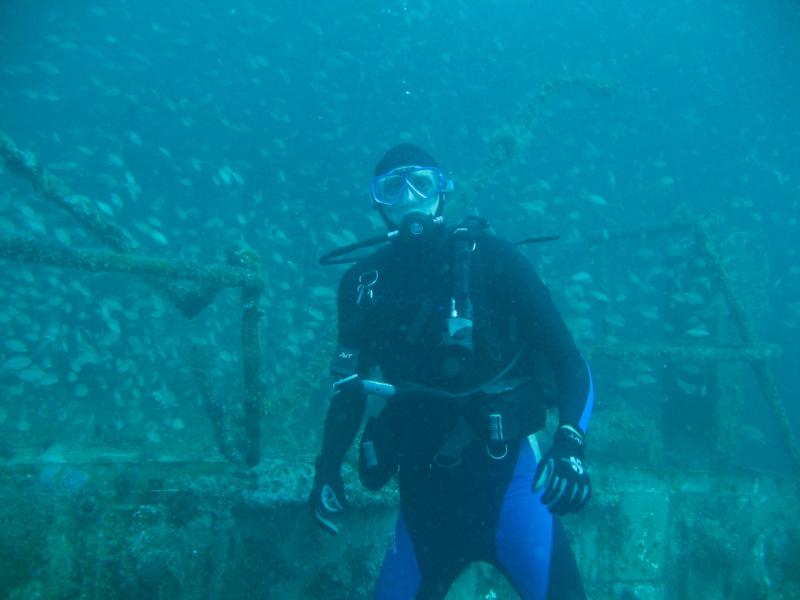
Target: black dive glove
[326,499]
[562,474]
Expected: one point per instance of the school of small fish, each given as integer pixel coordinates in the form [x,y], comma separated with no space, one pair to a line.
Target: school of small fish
[195,142]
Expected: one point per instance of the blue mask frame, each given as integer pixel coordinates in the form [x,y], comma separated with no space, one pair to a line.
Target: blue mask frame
[392,188]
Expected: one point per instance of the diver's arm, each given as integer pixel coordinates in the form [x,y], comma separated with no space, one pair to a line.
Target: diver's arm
[345,412]
[561,478]
[541,325]
[347,405]
[342,422]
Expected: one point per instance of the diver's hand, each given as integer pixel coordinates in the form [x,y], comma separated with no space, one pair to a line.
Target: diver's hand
[327,499]
[562,474]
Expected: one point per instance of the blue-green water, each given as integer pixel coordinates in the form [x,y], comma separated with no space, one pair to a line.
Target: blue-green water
[198,125]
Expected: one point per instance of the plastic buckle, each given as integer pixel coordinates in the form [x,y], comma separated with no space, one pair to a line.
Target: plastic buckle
[496,437]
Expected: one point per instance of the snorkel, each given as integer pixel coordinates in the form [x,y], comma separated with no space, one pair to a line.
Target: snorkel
[415,227]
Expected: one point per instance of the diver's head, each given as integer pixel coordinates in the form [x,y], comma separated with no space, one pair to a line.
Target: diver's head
[408,180]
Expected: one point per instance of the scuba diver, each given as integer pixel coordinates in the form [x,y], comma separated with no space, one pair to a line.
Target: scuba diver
[471,353]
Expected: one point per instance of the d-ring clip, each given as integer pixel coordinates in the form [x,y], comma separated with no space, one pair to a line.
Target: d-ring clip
[494,456]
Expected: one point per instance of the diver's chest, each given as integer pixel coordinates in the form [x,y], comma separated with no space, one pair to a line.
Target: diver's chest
[413,309]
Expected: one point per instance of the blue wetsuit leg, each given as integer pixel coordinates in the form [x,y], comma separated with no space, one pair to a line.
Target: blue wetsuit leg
[524,536]
[531,547]
[400,575]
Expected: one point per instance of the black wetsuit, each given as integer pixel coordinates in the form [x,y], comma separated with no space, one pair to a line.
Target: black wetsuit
[393,308]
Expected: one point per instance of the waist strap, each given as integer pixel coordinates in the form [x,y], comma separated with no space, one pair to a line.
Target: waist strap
[502,414]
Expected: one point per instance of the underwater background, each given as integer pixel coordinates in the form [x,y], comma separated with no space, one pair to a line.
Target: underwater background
[660,140]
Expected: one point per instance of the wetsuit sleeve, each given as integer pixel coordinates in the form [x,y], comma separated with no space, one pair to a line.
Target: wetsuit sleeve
[542,328]
[346,408]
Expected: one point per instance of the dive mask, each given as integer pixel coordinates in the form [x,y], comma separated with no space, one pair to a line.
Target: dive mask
[408,186]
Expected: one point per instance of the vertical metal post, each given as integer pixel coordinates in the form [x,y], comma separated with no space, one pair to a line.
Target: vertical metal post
[253,384]
[764,377]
